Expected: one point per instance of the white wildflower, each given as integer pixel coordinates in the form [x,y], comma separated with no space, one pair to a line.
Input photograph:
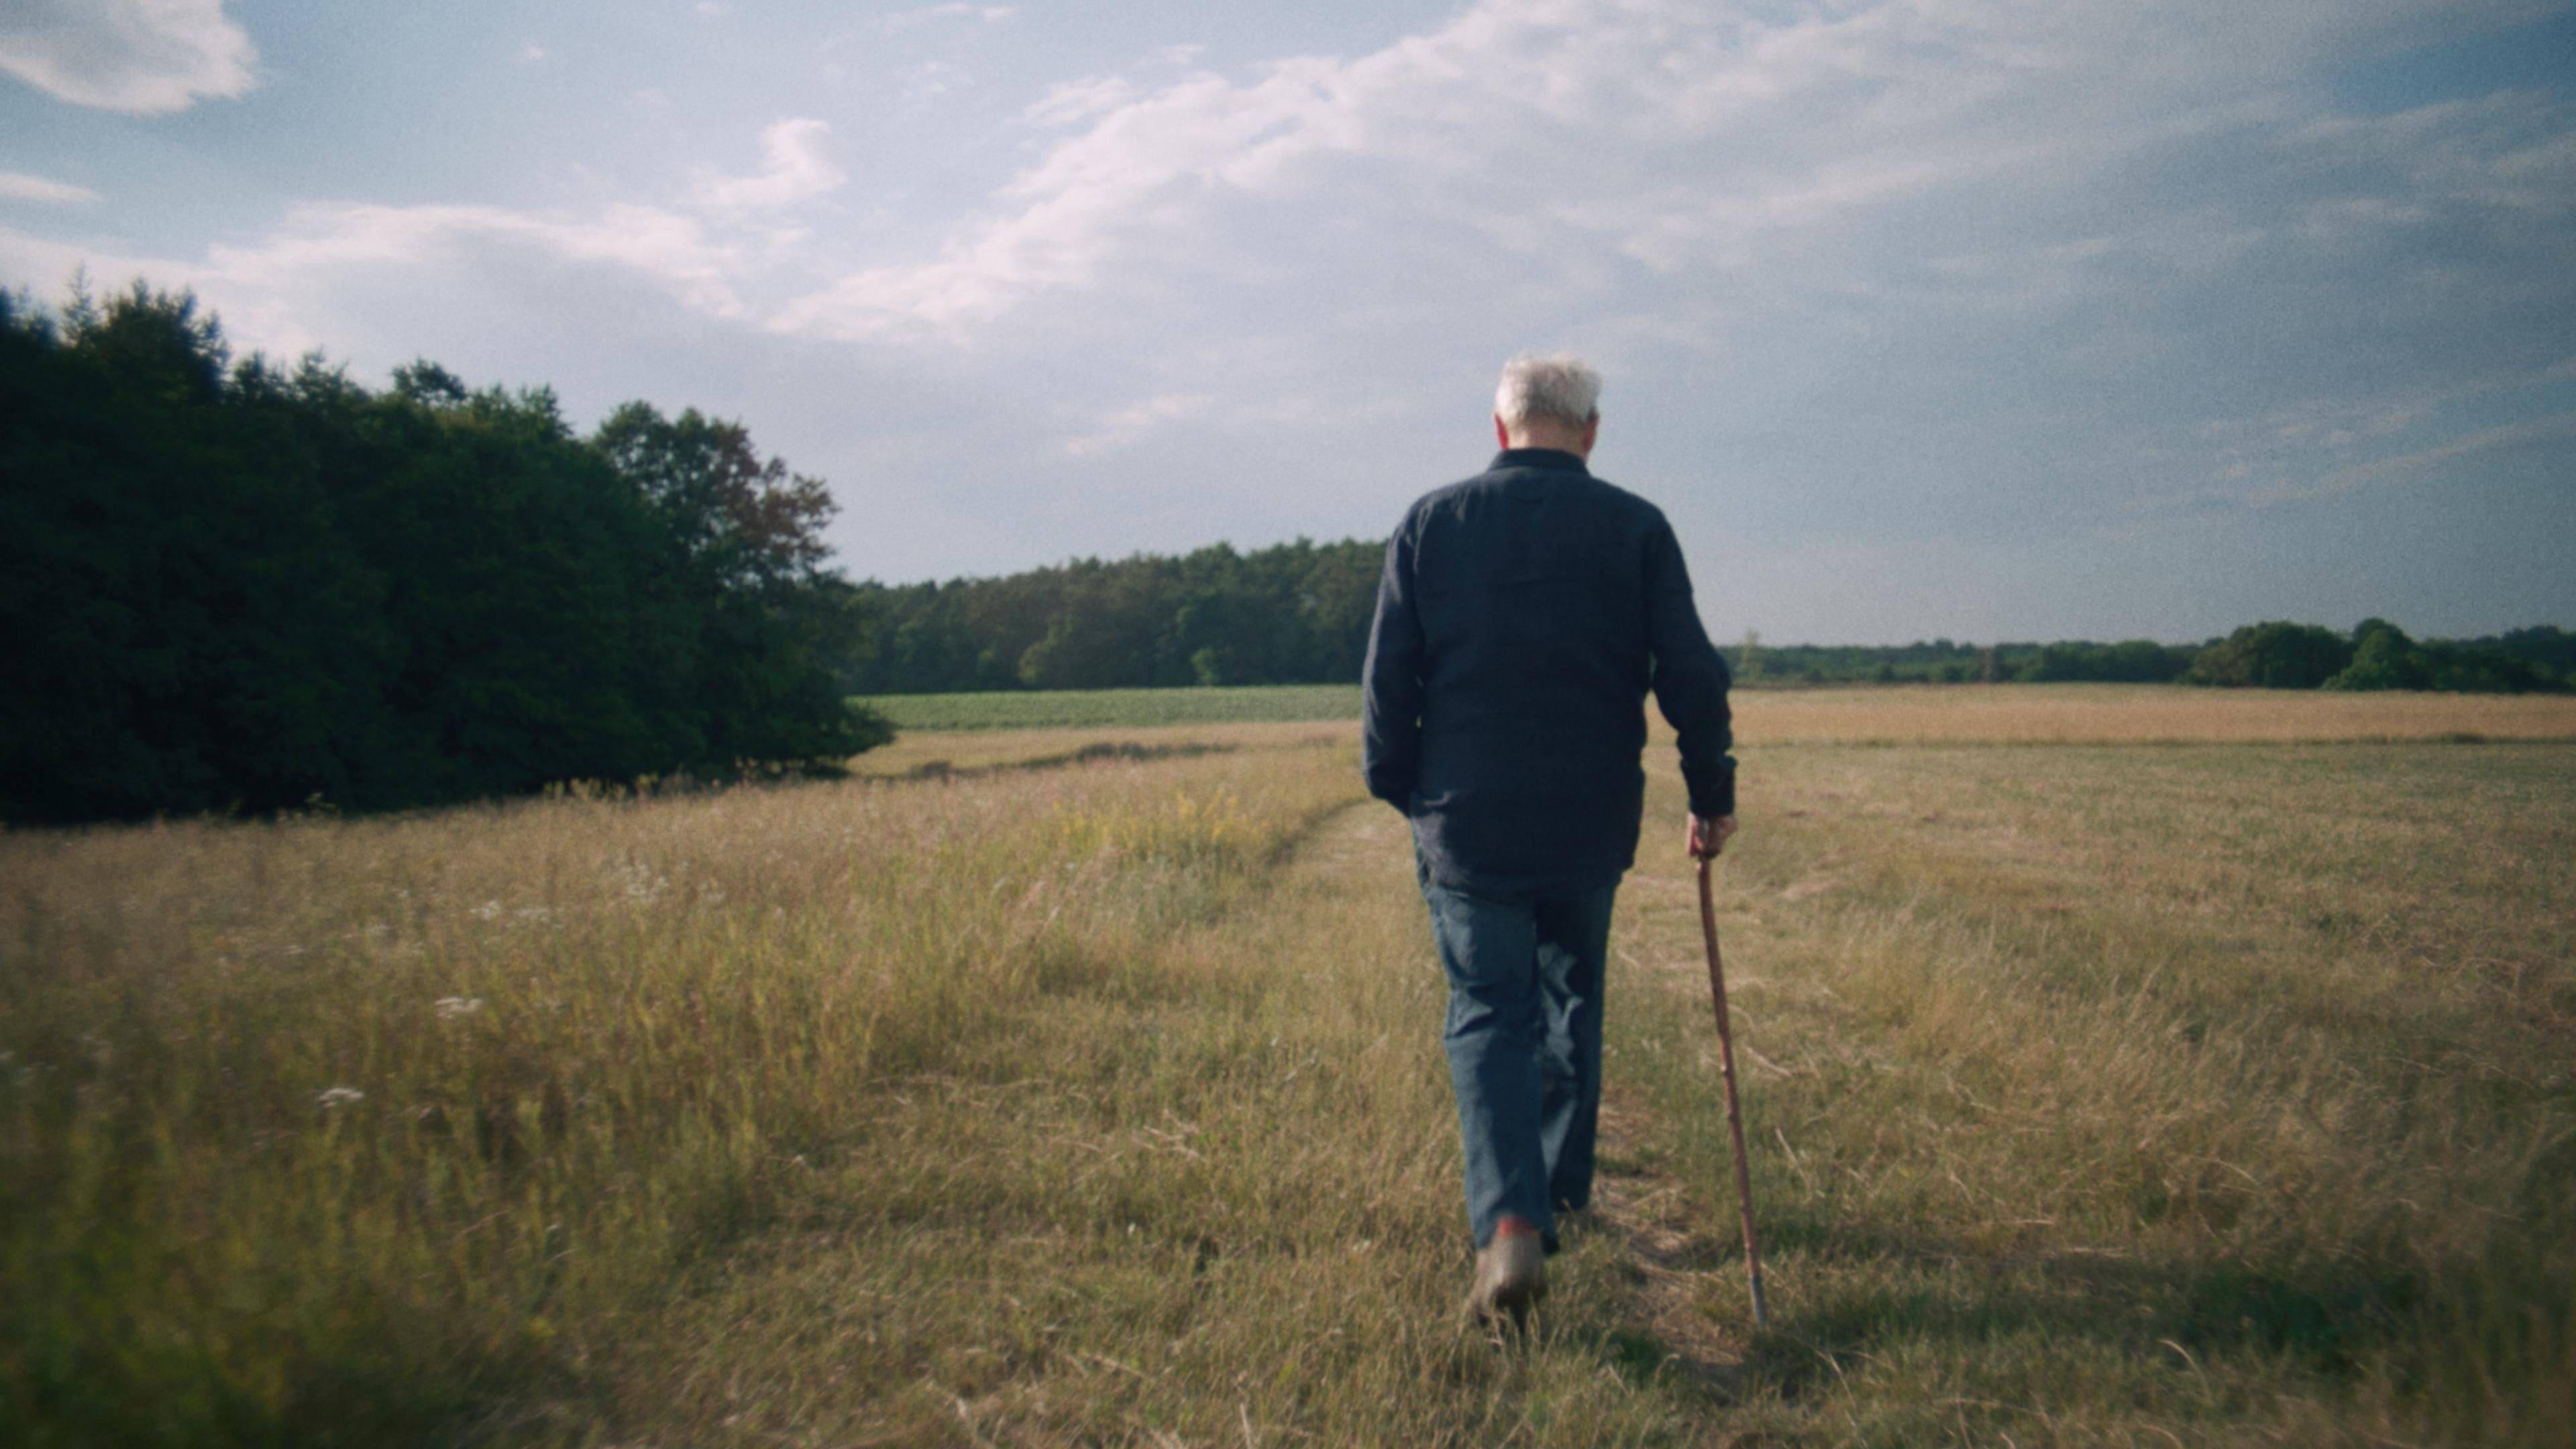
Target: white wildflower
[488,911]
[638,882]
[452,1007]
[339,1097]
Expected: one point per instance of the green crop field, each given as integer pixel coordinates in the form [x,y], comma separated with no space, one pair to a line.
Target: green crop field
[1088,708]
[2215,1085]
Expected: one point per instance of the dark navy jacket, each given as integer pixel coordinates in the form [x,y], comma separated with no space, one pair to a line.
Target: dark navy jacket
[1521,619]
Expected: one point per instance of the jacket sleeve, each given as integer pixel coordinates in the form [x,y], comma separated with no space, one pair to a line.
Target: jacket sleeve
[1690,677]
[1391,681]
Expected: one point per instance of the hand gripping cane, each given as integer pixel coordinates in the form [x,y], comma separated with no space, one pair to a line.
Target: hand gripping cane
[1734,1118]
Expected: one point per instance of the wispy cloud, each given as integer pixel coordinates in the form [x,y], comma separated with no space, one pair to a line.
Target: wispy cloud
[1859,269]
[2553,428]
[1685,139]
[902,20]
[1125,426]
[19,186]
[145,57]
[1075,101]
[795,166]
[704,254]
[267,289]
[1073,207]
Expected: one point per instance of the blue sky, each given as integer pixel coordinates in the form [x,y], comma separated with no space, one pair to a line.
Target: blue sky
[1942,318]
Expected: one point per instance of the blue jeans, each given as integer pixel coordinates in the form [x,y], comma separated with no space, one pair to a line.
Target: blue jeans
[1524,1040]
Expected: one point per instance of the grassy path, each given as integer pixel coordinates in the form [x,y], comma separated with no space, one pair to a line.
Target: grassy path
[2088,1108]
[1239,1227]
[2092,1106]
[2184,1094]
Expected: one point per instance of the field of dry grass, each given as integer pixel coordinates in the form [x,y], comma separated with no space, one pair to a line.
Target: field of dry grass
[2057,714]
[2009,714]
[1086,1089]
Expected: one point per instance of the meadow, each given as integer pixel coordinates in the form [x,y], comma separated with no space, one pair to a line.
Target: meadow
[2208,1083]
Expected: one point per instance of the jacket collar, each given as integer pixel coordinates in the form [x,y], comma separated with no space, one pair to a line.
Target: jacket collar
[1551,458]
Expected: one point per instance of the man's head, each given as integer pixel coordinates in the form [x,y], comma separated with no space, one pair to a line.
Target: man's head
[1548,402]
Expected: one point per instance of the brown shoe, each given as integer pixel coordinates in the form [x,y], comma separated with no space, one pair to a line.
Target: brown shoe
[1511,1274]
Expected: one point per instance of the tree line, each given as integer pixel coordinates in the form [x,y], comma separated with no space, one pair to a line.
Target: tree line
[2379,655]
[1298,613]
[1293,613]
[236,585]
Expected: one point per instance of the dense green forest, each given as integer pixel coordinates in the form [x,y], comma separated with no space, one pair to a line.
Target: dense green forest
[240,586]
[1295,613]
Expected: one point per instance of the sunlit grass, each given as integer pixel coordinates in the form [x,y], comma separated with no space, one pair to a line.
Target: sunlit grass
[2136,713]
[386,1123]
[2114,1094]
[2149,1093]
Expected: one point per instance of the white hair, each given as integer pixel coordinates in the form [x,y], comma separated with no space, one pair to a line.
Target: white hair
[1559,387]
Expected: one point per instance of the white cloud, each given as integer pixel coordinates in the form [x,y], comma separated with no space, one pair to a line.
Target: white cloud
[145,57]
[1124,427]
[703,257]
[1075,101]
[932,79]
[1073,206]
[1554,137]
[898,21]
[19,186]
[1899,266]
[902,20]
[531,53]
[794,167]
[266,290]
[669,249]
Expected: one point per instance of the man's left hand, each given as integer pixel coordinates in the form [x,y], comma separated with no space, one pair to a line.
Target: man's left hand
[1708,837]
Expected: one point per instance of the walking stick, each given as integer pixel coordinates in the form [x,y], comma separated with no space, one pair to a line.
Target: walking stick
[1734,1118]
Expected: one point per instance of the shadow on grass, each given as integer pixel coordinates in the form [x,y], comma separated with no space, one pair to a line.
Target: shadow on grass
[2327,1319]
[374,1385]
[1124,750]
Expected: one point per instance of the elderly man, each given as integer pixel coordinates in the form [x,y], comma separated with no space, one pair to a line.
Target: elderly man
[1522,617]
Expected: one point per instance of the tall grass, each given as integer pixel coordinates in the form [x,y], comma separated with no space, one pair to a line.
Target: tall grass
[2100,714]
[2130,1094]
[332,1129]
[2203,1094]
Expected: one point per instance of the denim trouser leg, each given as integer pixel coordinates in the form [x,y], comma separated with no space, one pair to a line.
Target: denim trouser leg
[1573,937]
[1524,1042]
